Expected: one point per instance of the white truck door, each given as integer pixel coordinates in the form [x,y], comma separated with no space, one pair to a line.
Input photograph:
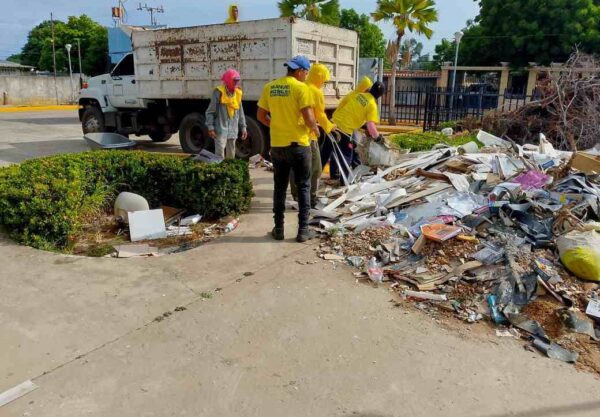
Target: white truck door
[124,92]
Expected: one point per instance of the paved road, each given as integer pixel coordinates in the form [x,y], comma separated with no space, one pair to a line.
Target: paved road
[278,337]
[25,135]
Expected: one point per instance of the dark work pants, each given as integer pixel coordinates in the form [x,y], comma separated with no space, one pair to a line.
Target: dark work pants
[347,147]
[296,159]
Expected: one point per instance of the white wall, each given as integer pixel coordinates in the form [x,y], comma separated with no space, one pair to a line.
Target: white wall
[36,90]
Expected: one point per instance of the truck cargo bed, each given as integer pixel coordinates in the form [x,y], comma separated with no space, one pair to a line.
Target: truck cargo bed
[187,63]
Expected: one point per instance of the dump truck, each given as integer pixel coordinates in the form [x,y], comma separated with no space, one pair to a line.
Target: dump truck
[164,86]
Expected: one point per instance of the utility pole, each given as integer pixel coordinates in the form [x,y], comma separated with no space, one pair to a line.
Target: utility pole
[54,56]
[79,55]
[152,10]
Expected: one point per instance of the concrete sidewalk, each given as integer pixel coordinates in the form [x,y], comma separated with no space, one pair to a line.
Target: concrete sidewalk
[277,338]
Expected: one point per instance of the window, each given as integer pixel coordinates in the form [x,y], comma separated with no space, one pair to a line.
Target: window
[125,67]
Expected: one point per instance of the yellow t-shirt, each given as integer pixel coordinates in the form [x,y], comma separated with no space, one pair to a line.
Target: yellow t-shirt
[284,99]
[359,109]
[319,108]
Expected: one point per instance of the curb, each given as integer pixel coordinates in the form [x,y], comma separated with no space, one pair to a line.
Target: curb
[17,109]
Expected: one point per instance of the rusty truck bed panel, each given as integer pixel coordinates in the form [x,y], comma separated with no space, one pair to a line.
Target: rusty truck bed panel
[188,62]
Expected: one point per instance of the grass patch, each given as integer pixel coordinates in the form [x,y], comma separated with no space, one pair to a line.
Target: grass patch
[418,142]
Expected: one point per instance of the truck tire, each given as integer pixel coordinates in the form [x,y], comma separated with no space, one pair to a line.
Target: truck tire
[256,142]
[159,136]
[92,120]
[193,134]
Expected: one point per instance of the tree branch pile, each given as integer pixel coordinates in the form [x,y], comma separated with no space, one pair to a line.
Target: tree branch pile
[567,112]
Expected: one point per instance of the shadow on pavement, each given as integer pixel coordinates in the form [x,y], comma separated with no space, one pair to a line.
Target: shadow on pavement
[560,411]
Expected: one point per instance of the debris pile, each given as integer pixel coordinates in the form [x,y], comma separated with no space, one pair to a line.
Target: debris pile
[566,107]
[506,233]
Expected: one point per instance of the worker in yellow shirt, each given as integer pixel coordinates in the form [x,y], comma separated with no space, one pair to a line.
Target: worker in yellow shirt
[233,14]
[317,77]
[285,106]
[358,110]
[364,86]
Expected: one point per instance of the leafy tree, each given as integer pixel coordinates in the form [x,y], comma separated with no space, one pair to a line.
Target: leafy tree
[322,11]
[444,52]
[93,38]
[15,58]
[372,42]
[523,31]
[406,15]
[410,51]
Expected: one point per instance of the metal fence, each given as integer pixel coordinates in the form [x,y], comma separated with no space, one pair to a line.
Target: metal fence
[432,107]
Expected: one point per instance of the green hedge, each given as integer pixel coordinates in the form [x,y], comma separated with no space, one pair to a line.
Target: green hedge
[418,142]
[44,202]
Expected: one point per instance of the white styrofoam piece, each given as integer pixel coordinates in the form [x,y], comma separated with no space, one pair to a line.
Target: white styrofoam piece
[16,392]
[147,225]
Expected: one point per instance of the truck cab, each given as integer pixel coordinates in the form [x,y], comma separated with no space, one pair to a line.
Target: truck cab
[165,85]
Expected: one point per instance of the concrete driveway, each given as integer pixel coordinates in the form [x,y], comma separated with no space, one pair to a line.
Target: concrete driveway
[261,333]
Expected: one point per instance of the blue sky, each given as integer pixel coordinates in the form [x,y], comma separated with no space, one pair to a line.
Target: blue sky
[19,17]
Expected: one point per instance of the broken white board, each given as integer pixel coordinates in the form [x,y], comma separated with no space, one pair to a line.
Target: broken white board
[130,251]
[490,140]
[147,225]
[459,181]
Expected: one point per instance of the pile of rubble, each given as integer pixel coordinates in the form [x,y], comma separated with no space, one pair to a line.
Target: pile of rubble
[505,233]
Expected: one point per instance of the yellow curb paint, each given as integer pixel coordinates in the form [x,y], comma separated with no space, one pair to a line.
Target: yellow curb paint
[36,108]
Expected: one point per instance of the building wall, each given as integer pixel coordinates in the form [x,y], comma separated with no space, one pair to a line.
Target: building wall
[35,90]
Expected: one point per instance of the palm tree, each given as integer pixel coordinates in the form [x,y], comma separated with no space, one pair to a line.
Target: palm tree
[406,15]
[324,11]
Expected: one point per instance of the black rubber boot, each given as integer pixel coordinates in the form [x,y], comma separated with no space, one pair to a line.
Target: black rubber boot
[305,235]
[277,233]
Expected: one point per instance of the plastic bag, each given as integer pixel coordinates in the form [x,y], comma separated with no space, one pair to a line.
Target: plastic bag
[580,253]
[375,271]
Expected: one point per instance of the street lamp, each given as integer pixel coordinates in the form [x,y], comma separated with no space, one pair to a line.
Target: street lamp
[68,47]
[457,37]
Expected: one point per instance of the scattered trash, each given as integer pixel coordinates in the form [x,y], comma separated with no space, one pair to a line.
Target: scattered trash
[375,271]
[476,231]
[440,232]
[179,231]
[231,226]
[208,157]
[593,309]
[190,220]
[510,332]
[425,295]
[448,131]
[580,253]
[172,215]
[130,251]
[127,202]
[554,351]
[147,225]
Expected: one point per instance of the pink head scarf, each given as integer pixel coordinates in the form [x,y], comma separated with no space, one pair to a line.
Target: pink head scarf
[229,78]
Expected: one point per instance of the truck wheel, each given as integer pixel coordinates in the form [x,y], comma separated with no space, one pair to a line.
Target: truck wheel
[92,120]
[159,136]
[256,142]
[193,134]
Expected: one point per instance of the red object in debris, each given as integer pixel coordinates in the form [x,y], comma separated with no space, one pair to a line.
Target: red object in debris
[440,232]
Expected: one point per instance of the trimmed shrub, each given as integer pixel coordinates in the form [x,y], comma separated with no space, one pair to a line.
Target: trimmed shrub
[44,202]
[418,142]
